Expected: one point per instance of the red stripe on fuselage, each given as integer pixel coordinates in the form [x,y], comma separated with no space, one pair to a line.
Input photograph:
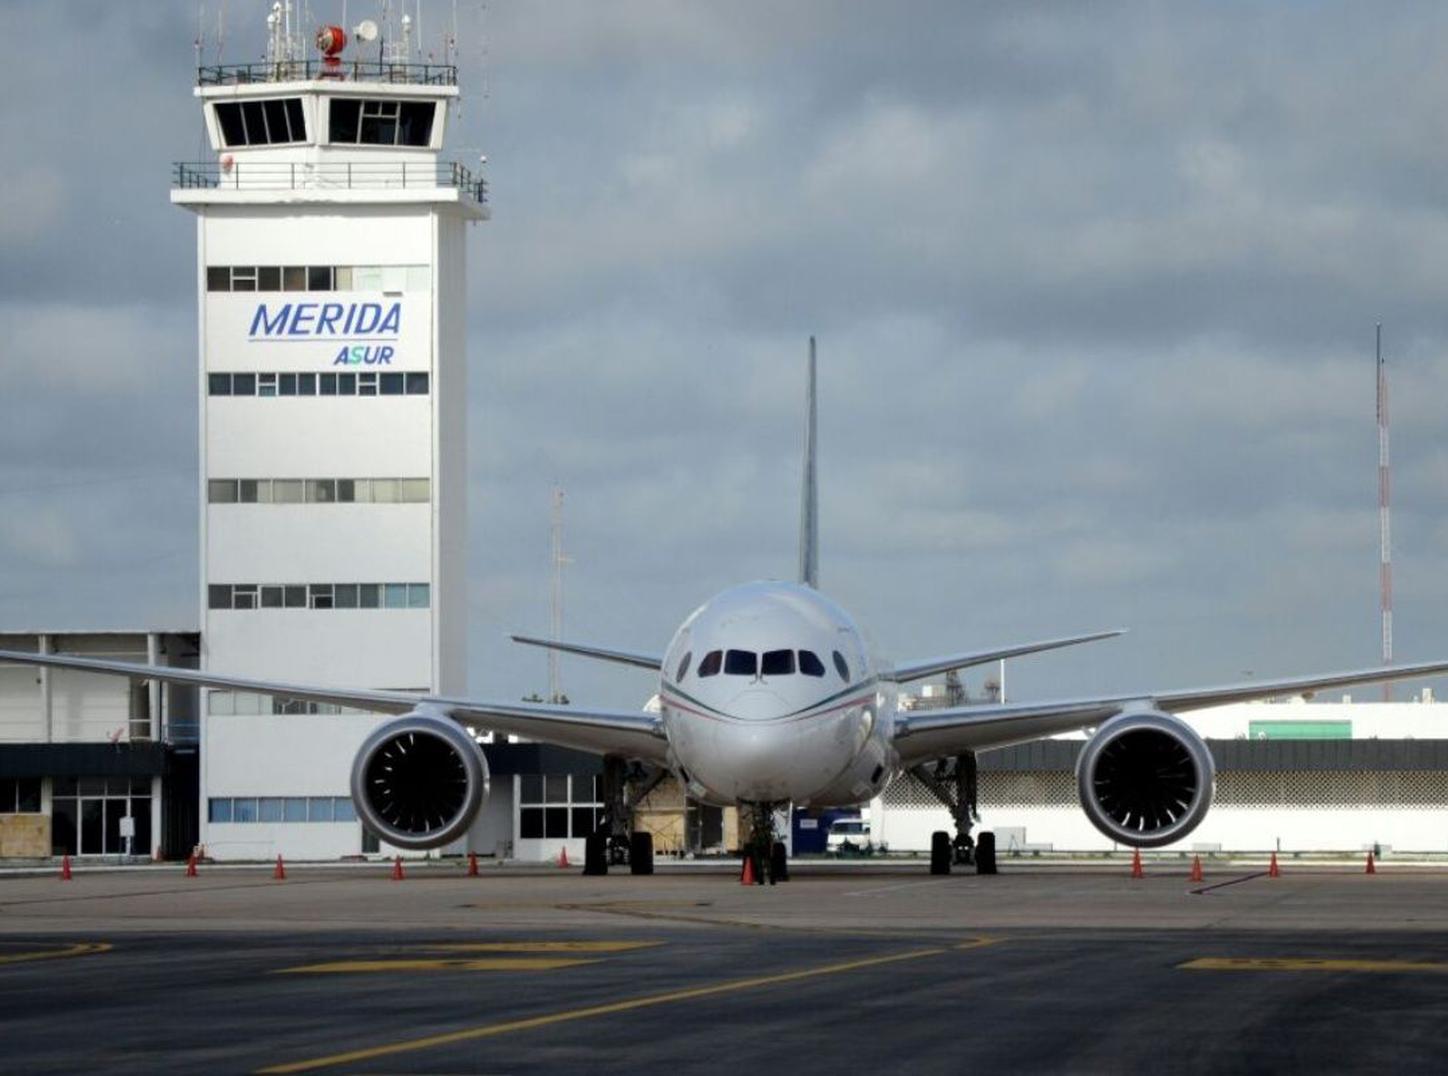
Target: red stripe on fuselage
[676,705]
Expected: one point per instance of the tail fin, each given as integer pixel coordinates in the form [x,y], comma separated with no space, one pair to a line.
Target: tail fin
[809,520]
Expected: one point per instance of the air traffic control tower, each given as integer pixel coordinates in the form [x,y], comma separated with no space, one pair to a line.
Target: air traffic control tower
[330,238]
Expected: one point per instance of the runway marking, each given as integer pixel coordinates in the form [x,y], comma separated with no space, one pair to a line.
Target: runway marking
[1216,963]
[1230,881]
[646,1001]
[891,888]
[980,942]
[542,947]
[494,963]
[79,949]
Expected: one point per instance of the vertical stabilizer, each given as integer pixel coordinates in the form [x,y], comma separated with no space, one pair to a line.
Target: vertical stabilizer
[809,521]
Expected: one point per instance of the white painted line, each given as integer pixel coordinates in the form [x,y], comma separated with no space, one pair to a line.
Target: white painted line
[890,888]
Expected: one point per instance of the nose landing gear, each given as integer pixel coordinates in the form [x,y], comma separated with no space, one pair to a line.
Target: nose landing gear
[768,858]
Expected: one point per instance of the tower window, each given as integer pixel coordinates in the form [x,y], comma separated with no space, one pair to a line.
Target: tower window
[271,122]
[381,123]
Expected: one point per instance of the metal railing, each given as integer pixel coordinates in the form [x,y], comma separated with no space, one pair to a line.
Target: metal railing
[336,175]
[341,71]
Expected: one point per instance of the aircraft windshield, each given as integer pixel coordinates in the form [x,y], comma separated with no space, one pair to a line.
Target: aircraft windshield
[741,663]
[748,663]
[777,663]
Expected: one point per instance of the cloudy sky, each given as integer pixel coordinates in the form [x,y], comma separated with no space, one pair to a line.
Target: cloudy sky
[1094,287]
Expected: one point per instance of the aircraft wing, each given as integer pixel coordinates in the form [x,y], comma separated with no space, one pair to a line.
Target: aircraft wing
[623,657]
[919,670]
[634,734]
[923,735]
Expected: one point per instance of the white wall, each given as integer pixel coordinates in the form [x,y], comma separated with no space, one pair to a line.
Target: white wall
[1234,828]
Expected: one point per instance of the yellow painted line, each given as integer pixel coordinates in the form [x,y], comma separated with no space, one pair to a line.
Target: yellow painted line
[647,1001]
[543,947]
[1214,963]
[81,949]
[979,943]
[498,963]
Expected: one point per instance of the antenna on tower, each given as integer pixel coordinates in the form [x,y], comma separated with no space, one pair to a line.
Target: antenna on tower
[1385,490]
[559,559]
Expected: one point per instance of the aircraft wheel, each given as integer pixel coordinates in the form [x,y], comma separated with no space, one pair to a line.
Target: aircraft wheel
[778,862]
[940,852]
[641,852]
[985,860]
[595,853]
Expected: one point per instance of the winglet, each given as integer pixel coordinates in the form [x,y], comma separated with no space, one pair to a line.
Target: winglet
[809,522]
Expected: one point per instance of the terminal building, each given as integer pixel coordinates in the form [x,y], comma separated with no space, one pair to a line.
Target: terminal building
[1292,776]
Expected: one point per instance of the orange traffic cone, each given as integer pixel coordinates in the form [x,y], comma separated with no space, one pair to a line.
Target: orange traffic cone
[191,865]
[397,872]
[65,868]
[747,877]
[1196,869]
[1136,871]
[472,864]
[280,874]
[1273,870]
[563,857]
[1371,868]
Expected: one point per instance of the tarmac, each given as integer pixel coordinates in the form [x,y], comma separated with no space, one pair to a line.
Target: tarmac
[1064,968]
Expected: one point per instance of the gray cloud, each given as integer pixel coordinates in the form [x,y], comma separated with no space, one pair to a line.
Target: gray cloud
[1095,291]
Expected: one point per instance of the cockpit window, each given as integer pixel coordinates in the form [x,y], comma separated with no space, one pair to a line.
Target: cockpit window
[684,666]
[777,663]
[809,664]
[741,663]
[710,665]
[841,667]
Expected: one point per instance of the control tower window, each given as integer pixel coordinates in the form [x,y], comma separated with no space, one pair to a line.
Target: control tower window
[381,123]
[272,122]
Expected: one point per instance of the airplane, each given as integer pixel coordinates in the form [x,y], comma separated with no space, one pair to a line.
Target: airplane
[768,696]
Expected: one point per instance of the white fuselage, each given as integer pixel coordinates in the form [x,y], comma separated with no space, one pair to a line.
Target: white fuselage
[769,694]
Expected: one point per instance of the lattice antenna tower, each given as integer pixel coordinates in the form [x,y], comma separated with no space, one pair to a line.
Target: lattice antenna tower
[559,559]
[284,44]
[1385,534]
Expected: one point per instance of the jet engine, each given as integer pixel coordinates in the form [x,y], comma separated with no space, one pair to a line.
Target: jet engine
[1145,779]
[419,781]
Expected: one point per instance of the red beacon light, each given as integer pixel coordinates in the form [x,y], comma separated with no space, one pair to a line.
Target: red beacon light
[331,40]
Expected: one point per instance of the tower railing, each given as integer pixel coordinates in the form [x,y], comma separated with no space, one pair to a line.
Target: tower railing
[337,70]
[327,175]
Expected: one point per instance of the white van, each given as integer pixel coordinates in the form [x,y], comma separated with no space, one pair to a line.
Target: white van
[846,836]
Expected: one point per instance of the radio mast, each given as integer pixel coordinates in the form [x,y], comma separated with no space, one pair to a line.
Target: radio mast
[1385,488]
[559,559]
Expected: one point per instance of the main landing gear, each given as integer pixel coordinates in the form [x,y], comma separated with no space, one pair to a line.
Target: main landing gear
[615,841]
[953,781]
[765,858]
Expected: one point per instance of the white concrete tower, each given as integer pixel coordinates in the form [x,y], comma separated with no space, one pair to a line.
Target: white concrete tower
[330,273]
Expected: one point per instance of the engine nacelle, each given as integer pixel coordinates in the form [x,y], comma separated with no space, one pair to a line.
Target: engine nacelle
[418,782]
[1145,779]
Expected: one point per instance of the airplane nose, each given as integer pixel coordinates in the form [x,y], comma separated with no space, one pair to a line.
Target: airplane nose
[758,703]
